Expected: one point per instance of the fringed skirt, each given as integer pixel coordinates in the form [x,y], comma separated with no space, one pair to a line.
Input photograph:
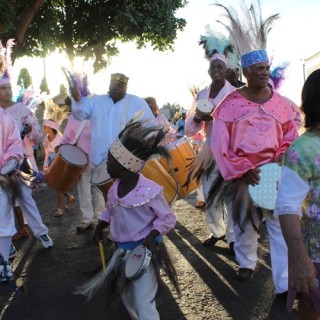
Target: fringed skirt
[113,281]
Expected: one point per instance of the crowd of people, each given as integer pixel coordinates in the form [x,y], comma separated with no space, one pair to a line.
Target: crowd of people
[249,125]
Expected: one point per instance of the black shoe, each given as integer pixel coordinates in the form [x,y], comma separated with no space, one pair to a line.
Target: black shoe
[210,242]
[244,274]
[282,296]
[231,248]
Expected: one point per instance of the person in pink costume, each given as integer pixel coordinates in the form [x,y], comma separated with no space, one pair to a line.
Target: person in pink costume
[78,133]
[137,213]
[217,217]
[253,126]
[10,148]
[50,143]
[23,116]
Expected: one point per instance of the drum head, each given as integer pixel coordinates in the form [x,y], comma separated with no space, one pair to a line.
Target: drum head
[264,194]
[73,155]
[9,167]
[137,262]
[204,106]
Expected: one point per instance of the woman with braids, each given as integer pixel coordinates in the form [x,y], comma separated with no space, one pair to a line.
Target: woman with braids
[300,182]
[137,213]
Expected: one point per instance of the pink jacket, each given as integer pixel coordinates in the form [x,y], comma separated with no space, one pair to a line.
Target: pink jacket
[143,209]
[10,141]
[246,135]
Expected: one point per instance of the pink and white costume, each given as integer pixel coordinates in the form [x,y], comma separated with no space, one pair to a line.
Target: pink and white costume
[244,136]
[171,135]
[84,183]
[23,115]
[217,224]
[131,219]
[49,148]
[10,147]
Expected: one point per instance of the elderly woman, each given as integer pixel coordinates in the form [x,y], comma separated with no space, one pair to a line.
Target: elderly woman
[298,206]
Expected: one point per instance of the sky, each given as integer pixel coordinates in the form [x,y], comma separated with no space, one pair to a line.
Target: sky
[167,76]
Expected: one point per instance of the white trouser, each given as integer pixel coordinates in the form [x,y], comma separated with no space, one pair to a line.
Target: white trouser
[139,298]
[246,246]
[5,243]
[31,212]
[200,196]
[7,226]
[85,197]
[219,220]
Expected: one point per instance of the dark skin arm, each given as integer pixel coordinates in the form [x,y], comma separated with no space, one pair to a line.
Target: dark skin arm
[98,231]
[149,239]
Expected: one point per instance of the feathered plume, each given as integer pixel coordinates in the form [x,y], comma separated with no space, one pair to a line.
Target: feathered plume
[250,32]
[79,80]
[214,42]
[5,59]
[30,98]
[142,138]
[277,74]
[55,112]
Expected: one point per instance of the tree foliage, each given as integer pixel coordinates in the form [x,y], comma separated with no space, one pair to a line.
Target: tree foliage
[91,28]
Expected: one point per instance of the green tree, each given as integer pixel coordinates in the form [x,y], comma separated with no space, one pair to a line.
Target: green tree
[172,107]
[91,28]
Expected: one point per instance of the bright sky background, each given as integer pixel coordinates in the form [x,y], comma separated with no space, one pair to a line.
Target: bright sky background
[167,76]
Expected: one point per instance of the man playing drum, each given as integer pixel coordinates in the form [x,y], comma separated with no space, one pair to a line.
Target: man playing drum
[79,133]
[10,148]
[195,123]
[23,116]
[109,113]
[253,126]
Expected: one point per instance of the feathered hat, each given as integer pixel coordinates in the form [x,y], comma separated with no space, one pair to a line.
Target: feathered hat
[215,45]
[6,62]
[138,142]
[249,33]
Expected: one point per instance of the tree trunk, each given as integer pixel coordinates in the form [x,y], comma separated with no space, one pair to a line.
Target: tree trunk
[23,23]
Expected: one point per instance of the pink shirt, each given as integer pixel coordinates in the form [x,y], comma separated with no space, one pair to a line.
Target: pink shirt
[246,135]
[23,115]
[171,135]
[49,148]
[143,209]
[71,131]
[10,141]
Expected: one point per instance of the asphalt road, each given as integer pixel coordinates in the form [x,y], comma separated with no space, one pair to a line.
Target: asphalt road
[206,275]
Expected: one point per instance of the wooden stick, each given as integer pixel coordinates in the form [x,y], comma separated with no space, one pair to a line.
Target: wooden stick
[103,260]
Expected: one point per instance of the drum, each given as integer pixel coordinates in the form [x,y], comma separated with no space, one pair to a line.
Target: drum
[137,262]
[9,168]
[101,179]
[66,168]
[204,108]
[153,170]
[183,156]
[264,194]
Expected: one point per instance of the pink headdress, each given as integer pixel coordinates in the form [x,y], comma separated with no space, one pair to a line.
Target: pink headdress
[51,124]
[5,62]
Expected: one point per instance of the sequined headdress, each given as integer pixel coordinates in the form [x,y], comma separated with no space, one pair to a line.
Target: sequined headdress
[5,62]
[249,33]
[138,142]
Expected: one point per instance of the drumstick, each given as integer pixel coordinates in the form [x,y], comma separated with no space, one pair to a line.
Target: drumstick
[103,260]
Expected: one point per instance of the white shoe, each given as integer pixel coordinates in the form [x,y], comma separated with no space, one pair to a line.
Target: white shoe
[46,241]
[8,275]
